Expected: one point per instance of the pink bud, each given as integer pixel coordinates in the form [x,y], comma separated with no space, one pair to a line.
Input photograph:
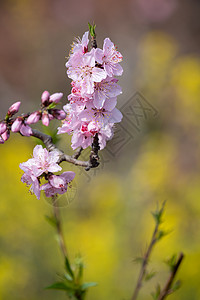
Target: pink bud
[58,114]
[25,130]
[45,119]
[16,125]
[34,117]
[6,135]
[3,128]
[56,97]
[13,109]
[45,97]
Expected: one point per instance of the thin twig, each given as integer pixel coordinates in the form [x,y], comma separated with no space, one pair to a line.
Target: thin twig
[166,290]
[144,263]
[59,228]
[47,140]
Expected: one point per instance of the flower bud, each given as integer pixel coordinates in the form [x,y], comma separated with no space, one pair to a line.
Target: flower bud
[25,130]
[55,98]
[45,98]
[13,109]
[16,125]
[3,128]
[34,117]
[6,135]
[45,119]
[59,114]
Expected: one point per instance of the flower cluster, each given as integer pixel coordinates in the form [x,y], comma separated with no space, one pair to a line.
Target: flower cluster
[92,103]
[48,111]
[21,123]
[43,164]
[15,125]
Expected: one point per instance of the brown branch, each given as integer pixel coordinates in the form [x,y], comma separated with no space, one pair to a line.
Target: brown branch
[59,228]
[145,262]
[166,290]
[47,140]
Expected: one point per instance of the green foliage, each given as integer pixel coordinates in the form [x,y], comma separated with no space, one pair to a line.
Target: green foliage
[158,213]
[156,294]
[149,275]
[92,29]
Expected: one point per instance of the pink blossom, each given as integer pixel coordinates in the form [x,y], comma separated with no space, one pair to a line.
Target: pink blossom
[5,136]
[83,135]
[25,130]
[3,128]
[45,161]
[30,179]
[34,117]
[58,114]
[17,124]
[20,125]
[107,114]
[57,184]
[86,73]
[14,108]
[55,98]
[79,48]
[45,118]
[107,88]
[109,57]
[45,98]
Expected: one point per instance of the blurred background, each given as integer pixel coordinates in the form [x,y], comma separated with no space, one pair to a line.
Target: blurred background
[154,156]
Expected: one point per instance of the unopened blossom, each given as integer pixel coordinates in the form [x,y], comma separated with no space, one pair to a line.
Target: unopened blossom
[20,125]
[58,184]
[34,117]
[110,58]
[58,114]
[5,136]
[3,128]
[45,98]
[14,108]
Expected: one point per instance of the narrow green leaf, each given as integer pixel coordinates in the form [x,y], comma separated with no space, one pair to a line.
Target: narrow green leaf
[92,29]
[86,285]
[52,105]
[171,262]
[176,285]
[158,213]
[156,294]
[149,276]
[68,267]
[138,260]
[58,286]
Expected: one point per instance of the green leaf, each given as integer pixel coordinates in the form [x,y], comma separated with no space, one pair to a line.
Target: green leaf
[68,267]
[86,285]
[138,260]
[156,294]
[158,213]
[176,285]
[52,105]
[92,30]
[171,262]
[149,275]
[59,286]
[161,234]
[51,221]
